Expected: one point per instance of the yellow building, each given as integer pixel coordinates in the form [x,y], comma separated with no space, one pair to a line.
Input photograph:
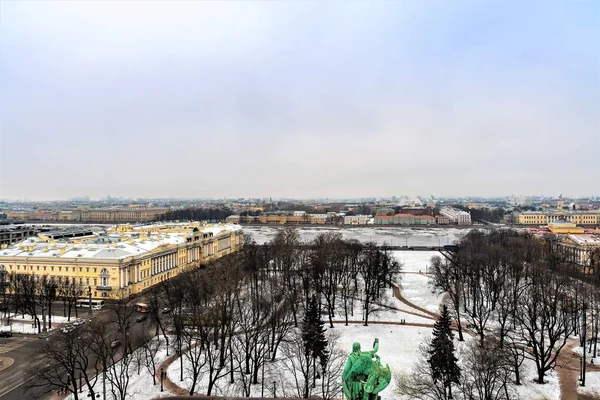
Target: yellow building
[564,227]
[581,248]
[124,260]
[589,218]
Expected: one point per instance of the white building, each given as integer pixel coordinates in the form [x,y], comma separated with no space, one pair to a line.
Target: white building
[456,216]
[356,219]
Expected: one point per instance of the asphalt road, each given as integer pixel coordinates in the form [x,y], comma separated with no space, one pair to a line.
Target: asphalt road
[24,348]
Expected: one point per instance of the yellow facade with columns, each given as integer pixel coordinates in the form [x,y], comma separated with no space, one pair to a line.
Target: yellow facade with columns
[589,218]
[123,260]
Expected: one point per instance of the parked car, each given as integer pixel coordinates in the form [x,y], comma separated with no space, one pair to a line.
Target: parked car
[141,318]
[166,310]
[114,344]
[78,322]
[68,329]
[5,334]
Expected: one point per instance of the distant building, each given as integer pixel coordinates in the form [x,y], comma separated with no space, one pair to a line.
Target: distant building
[416,210]
[356,219]
[424,220]
[94,215]
[587,218]
[442,220]
[456,216]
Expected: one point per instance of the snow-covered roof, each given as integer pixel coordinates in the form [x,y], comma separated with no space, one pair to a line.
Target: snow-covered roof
[107,246]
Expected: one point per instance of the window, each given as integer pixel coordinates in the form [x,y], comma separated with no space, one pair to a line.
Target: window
[95,281]
[18,267]
[87,269]
[73,269]
[79,269]
[52,268]
[80,281]
[87,281]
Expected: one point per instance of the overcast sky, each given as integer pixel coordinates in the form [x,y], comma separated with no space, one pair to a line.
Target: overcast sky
[299,99]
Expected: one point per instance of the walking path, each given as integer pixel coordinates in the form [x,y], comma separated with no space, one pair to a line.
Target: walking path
[399,296]
[568,370]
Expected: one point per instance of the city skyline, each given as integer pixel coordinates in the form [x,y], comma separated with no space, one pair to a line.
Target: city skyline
[299,100]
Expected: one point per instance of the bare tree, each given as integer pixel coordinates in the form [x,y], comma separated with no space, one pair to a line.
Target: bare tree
[64,364]
[149,352]
[299,364]
[330,387]
[448,278]
[418,384]
[486,372]
[545,316]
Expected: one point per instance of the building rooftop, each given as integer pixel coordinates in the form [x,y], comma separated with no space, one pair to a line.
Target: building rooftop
[109,246]
[585,239]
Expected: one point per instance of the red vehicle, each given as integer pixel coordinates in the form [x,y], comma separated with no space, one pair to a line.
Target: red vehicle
[142,308]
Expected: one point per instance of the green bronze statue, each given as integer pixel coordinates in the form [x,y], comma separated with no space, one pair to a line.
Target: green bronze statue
[364,376]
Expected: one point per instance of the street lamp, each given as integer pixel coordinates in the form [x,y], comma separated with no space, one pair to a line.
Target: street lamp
[90,297]
[163,375]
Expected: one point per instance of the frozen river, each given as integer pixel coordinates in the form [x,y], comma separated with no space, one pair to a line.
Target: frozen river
[395,236]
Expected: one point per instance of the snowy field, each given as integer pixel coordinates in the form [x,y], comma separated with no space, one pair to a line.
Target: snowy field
[592,385]
[415,288]
[415,261]
[386,314]
[396,236]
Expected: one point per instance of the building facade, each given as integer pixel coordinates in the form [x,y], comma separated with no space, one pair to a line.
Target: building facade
[581,249]
[123,260]
[93,215]
[356,219]
[456,216]
[587,218]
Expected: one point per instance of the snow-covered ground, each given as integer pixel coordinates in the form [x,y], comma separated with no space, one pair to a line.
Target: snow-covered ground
[25,324]
[385,314]
[415,288]
[530,390]
[415,261]
[590,359]
[140,386]
[592,385]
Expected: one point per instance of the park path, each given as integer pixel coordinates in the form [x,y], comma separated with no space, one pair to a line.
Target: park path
[167,383]
[568,369]
[398,295]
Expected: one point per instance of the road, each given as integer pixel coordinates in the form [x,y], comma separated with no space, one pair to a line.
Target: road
[24,348]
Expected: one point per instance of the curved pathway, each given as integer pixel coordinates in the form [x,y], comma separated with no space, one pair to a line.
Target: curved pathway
[399,296]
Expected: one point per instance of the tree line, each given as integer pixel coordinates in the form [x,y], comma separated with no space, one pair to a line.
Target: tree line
[196,214]
[33,294]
